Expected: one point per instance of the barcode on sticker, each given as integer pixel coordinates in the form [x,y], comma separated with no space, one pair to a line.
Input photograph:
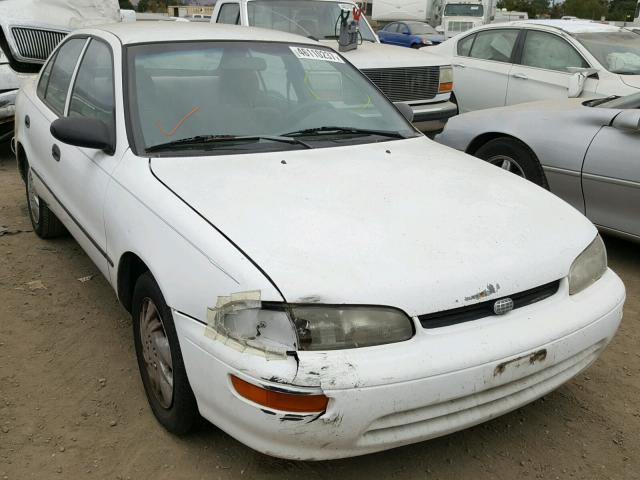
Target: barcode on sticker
[316,54]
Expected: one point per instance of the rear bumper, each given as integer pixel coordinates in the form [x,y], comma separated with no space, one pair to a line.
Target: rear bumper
[450,380]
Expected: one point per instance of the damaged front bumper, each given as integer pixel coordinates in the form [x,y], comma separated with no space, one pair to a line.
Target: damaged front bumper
[441,381]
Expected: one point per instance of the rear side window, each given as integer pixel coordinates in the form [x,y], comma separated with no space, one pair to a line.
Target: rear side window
[55,95]
[92,95]
[464,46]
[548,51]
[496,45]
[44,78]
[393,28]
[230,14]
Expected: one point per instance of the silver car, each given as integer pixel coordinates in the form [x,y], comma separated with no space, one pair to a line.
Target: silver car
[587,152]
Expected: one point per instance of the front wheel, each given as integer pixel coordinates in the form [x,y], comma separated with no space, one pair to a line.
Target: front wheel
[44,221]
[160,360]
[513,156]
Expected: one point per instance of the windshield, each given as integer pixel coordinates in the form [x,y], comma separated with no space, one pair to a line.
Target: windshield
[250,89]
[422,29]
[463,10]
[618,52]
[316,19]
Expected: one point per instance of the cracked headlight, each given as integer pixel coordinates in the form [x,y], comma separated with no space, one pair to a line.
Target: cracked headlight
[589,267]
[321,327]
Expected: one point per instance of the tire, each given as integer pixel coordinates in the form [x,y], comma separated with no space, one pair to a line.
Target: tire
[44,221]
[172,402]
[417,46]
[514,156]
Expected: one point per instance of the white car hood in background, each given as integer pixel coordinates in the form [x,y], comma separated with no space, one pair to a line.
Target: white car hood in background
[66,14]
[370,55]
[423,227]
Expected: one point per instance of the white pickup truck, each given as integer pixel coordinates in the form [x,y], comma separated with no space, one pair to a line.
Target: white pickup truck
[417,78]
[29,32]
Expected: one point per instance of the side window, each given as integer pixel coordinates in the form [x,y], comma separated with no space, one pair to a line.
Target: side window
[55,95]
[44,78]
[229,13]
[92,95]
[548,51]
[402,28]
[464,46]
[496,45]
[392,27]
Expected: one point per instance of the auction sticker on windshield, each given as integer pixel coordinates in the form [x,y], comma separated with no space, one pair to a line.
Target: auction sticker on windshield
[316,54]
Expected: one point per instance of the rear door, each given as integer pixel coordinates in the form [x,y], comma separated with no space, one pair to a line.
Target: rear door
[482,64]
[611,178]
[542,68]
[389,34]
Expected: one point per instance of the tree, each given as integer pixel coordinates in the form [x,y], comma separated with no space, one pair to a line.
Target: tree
[622,10]
[534,8]
[143,5]
[126,5]
[590,9]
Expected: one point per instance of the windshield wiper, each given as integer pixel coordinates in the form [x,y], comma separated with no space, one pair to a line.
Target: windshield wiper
[213,139]
[326,130]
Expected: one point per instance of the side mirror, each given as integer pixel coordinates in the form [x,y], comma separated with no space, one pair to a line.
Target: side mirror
[577,80]
[406,33]
[84,132]
[628,120]
[405,110]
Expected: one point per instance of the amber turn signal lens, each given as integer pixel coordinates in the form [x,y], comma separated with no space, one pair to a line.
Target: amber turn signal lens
[286,402]
[445,87]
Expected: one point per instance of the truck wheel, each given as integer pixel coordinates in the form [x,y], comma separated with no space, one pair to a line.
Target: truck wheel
[160,360]
[515,157]
[44,221]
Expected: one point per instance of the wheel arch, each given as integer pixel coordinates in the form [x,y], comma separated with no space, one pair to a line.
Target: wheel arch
[21,157]
[130,268]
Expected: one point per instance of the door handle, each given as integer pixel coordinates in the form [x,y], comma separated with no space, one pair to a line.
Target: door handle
[55,152]
[459,65]
[27,121]
[521,76]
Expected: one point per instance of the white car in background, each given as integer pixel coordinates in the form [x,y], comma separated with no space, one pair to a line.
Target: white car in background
[303,268]
[509,63]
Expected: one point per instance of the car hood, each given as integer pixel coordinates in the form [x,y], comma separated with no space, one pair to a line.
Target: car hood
[371,55]
[631,80]
[410,223]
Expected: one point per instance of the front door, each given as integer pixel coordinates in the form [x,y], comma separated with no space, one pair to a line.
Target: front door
[544,69]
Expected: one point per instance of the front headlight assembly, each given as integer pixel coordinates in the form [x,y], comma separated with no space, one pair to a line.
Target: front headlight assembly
[589,267]
[245,322]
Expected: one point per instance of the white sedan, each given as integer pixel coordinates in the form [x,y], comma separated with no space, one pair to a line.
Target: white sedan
[302,267]
[509,63]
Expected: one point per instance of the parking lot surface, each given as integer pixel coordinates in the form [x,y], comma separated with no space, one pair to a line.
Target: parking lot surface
[72,404]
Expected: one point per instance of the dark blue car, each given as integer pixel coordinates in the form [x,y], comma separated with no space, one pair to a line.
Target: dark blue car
[410,34]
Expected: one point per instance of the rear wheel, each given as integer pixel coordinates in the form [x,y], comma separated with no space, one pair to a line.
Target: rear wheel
[160,360]
[513,156]
[44,221]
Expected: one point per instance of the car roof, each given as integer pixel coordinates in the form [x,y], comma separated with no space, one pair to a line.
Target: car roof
[571,26]
[151,32]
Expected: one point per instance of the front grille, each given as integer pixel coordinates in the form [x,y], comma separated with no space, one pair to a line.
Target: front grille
[406,84]
[447,318]
[35,44]
[460,26]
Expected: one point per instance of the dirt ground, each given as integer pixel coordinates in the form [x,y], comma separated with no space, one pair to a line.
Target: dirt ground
[72,404]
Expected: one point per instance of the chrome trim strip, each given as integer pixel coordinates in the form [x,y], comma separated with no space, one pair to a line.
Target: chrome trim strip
[89,237]
[612,180]
[561,171]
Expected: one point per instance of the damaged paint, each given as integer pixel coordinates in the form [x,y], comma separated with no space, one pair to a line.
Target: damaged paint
[490,290]
[239,322]
[535,357]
